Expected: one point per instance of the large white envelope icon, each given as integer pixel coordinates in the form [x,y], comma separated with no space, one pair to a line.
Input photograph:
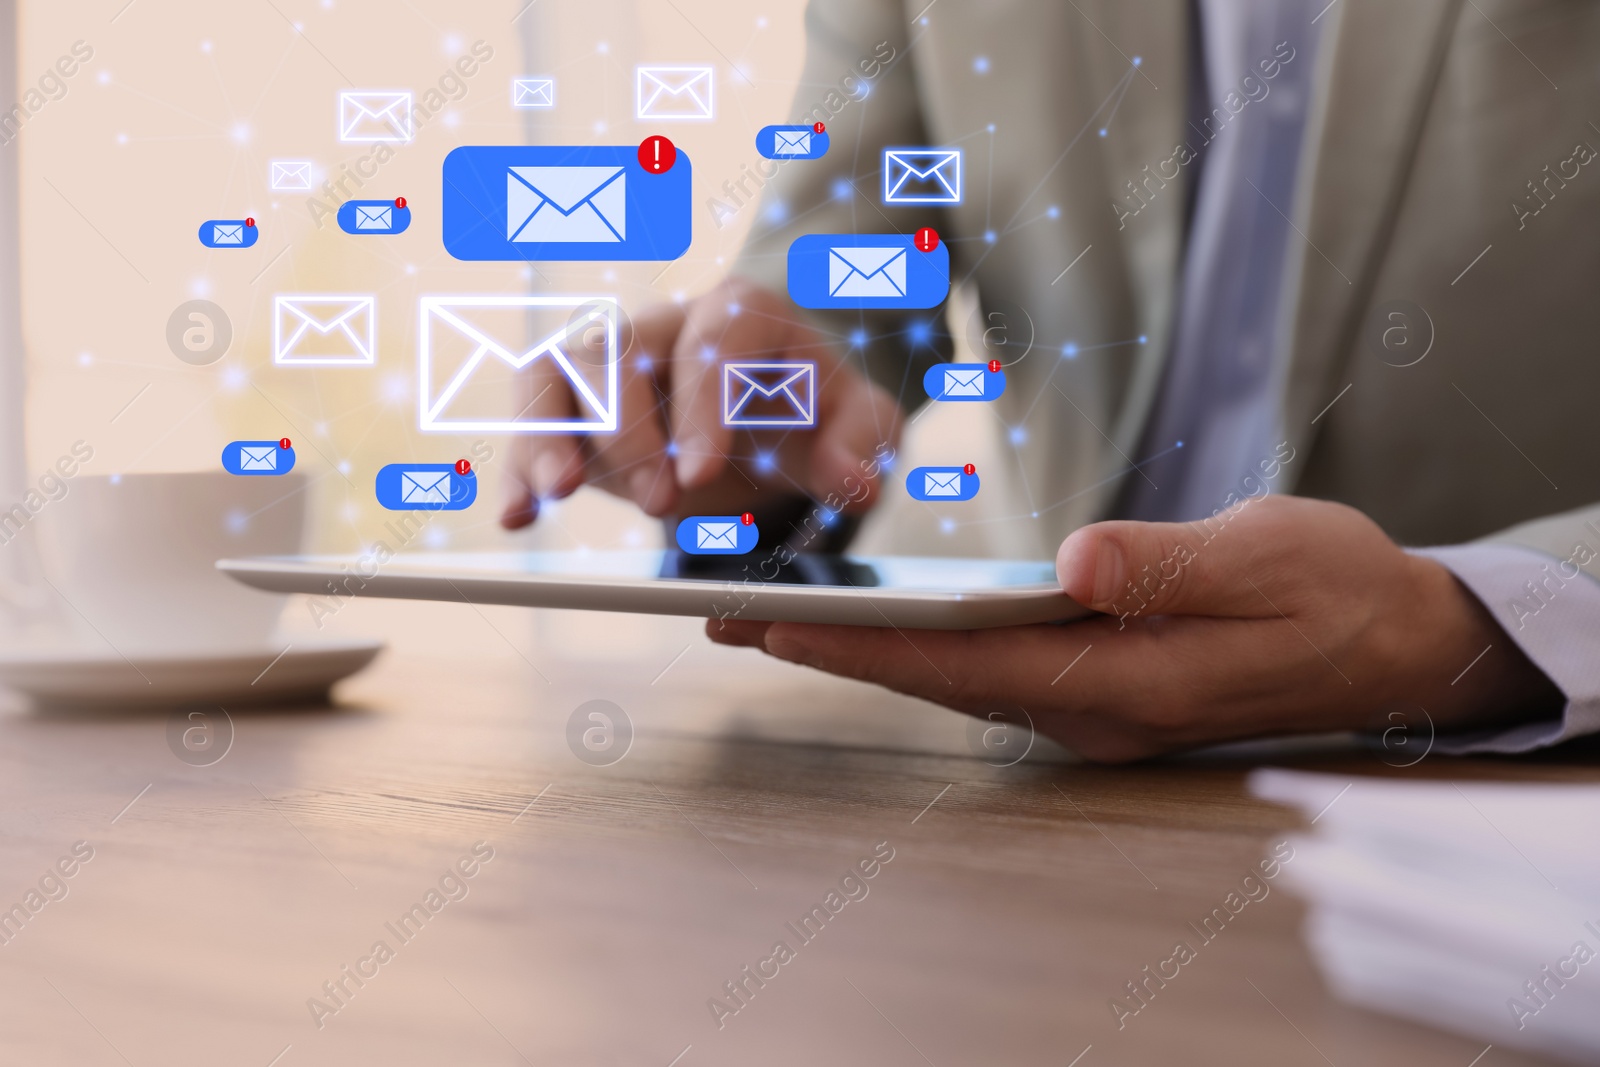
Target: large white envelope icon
[367,115]
[290,176]
[941,483]
[374,218]
[668,93]
[258,457]
[424,487]
[921,176]
[870,271]
[533,92]
[325,329]
[458,324]
[227,233]
[566,204]
[793,385]
[716,535]
[963,382]
[791,142]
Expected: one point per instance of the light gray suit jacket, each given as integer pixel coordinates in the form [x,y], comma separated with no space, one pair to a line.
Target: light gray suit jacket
[1427,128]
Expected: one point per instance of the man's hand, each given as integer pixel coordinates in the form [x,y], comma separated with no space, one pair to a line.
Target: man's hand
[1283,616]
[672,453]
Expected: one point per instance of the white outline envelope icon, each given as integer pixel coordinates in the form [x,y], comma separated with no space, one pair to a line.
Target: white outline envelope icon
[227,233]
[324,329]
[938,182]
[795,383]
[290,176]
[871,271]
[566,204]
[366,115]
[258,457]
[667,93]
[941,483]
[374,218]
[716,535]
[533,92]
[963,382]
[791,142]
[458,319]
[424,487]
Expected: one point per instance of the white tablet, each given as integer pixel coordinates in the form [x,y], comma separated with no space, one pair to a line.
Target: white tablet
[913,593]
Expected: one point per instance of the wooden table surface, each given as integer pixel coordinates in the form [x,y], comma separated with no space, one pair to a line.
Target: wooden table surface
[620,899]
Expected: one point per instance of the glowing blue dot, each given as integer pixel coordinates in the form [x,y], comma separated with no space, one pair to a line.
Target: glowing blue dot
[1138,61]
[829,517]
[989,236]
[765,462]
[1052,212]
[842,189]
[116,479]
[733,310]
[672,448]
[991,127]
[858,338]
[644,363]
[1019,435]
[1069,351]
[777,211]
[887,464]
[947,526]
[237,522]
[1180,444]
[1141,338]
[708,354]
[920,333]
[981,64]
[1102,131]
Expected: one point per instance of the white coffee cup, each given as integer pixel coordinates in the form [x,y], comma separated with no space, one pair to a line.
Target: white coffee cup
[130,558]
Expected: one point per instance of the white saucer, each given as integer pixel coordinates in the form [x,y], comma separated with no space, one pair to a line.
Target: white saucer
[66,677]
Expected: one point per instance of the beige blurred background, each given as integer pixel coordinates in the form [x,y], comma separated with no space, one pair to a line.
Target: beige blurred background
[175,120]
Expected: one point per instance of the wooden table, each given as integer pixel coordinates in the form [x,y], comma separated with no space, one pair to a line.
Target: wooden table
[620,899]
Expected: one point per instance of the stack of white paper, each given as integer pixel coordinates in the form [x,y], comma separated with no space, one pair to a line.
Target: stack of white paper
[1469,907]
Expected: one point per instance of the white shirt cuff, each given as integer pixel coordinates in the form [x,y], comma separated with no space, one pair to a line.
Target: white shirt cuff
[1552,611]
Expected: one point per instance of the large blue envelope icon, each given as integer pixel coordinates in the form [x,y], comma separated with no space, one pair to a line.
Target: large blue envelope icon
[566,204]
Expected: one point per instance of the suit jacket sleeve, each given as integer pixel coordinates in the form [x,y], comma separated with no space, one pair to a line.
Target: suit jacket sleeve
[1541,582]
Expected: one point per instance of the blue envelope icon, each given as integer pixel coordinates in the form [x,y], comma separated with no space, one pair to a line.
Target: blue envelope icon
[963,382]
[373,217]
[717,535]
[878,270]
[922,176]
[425,487]
[791,142]
[228,233]
[565,203]
[257,458]
[941,483]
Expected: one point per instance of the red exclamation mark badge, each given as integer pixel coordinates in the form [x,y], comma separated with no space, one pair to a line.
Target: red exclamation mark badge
[926,239]
[969,469]
[747,519]
[463,468]
[657,154]
[994,366]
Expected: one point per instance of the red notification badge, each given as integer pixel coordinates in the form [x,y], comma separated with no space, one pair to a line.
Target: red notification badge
[748,519]
[463,467]
[657,154]
[969,469]
[283,442]
[819,128]
[994,366]
[250,223]
[399,201]
[926,240]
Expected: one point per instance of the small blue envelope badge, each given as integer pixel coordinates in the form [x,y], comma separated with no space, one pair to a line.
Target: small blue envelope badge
[256,458]
[872,270]
[427,486]
[965,381]
[792,142]
[229,233]
[718,535]
[374,216]
[548,202]
[943,483]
